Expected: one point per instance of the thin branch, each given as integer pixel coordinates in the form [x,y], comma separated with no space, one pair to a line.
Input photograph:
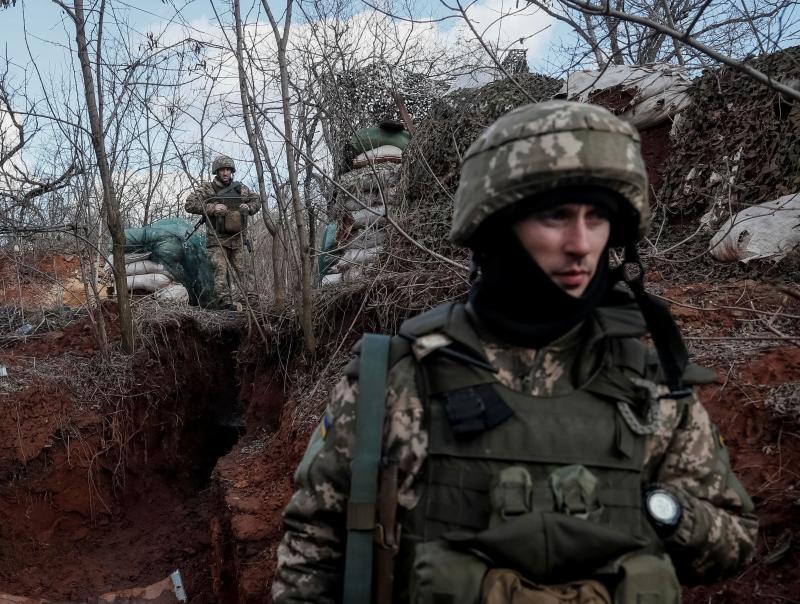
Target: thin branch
[685,38]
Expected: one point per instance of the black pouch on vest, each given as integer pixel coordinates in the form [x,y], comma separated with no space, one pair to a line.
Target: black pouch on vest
[549,546]
[474,409]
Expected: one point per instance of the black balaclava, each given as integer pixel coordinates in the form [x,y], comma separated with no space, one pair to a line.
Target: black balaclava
[513,297]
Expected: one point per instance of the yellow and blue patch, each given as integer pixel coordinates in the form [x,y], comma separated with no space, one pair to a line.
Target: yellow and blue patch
[325,425]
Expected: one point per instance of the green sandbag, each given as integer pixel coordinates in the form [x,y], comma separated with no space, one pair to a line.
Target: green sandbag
[187,262]
[367,139]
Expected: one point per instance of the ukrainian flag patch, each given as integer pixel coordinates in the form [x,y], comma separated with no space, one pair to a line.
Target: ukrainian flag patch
[325,425]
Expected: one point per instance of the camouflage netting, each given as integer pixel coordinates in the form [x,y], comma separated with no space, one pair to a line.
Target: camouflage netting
[431,163]
[738,142]
[363,97]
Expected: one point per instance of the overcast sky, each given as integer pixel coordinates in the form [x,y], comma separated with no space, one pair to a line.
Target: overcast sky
[48,29]
[39,33]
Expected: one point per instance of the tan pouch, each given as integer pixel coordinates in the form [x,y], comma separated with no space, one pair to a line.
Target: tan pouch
[233,222]
[503,586]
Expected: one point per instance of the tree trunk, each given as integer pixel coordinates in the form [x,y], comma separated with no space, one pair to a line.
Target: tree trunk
[306,276]
[253,136]
[110,202]
[591,33]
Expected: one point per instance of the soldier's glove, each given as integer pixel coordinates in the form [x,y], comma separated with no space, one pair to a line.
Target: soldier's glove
[245,209]
[220,209]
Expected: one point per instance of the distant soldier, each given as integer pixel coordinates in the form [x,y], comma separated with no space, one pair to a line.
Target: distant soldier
[225,204]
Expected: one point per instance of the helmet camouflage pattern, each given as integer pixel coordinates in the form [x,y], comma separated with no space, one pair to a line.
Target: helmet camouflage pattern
[222,161]
[542,147]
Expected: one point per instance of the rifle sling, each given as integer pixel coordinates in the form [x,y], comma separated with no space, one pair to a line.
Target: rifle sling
[370,413]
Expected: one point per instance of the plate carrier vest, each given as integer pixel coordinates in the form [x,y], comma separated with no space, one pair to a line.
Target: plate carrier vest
[549,486]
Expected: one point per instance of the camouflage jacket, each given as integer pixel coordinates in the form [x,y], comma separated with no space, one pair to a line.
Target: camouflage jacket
[200,201]
[716,534]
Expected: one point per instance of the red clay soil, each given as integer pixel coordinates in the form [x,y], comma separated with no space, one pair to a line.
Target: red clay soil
[76,339]
[72,524]
[655,148]
[252,485]
[258,489]
[34,281]
[111,493]
[765,451]
[764,448]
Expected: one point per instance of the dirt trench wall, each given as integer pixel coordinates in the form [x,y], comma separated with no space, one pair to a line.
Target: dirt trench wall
[105,467]
[250,487]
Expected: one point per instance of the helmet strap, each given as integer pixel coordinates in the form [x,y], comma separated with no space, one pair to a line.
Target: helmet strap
[669,344]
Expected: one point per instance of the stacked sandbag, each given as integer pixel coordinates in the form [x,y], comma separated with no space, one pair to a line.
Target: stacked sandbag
[365,194]
[146,277]
[384,143]
[168,259]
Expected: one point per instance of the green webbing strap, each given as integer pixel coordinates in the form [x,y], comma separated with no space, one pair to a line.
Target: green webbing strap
[370,411]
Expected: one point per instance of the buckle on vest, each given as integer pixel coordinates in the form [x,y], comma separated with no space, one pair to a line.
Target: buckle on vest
[388,540]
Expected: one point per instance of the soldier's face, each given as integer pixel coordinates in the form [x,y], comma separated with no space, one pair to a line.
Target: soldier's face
[567,243]
[224,174]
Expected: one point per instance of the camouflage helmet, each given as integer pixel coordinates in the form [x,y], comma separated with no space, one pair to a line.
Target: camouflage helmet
[542,147]
[222,161]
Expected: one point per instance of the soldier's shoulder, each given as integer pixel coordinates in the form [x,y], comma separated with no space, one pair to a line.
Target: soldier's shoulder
[416,337]
[399,348]
[428,322]
[624,326]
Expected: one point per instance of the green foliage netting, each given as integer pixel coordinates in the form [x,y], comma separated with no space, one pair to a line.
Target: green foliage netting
[187,262]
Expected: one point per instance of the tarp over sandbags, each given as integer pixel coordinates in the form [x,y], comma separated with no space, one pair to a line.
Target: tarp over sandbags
[386,133]
[186,261]
[769,230]
[644,95]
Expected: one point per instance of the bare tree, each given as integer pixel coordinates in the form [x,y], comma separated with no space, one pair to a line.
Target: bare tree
[95,108]
[688,32]
[254,136]
[306,283]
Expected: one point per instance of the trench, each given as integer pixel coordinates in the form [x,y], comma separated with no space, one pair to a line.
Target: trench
[74,526]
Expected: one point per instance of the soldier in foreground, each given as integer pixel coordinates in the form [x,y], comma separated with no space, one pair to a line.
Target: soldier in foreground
[225,205]
[531,448]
